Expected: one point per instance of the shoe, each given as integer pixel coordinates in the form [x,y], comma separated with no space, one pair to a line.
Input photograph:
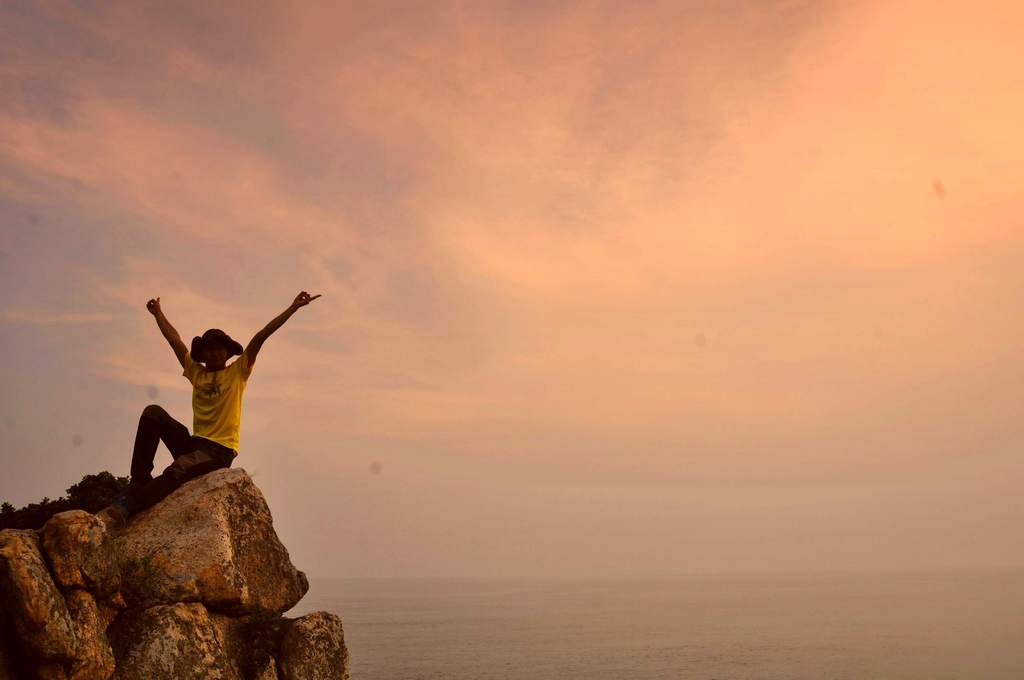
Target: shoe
[115,515]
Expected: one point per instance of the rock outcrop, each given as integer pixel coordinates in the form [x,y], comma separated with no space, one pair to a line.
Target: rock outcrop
[194,587]
[310,649]
[214,544]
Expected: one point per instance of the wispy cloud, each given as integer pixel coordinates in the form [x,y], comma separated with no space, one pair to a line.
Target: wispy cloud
[44,317]
[665,244]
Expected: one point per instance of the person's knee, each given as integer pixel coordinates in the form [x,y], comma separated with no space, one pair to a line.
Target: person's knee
[153,411]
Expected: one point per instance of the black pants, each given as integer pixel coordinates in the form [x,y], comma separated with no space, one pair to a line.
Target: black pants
[193,456]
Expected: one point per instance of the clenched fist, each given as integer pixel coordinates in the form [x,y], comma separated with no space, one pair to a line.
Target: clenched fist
[153,306]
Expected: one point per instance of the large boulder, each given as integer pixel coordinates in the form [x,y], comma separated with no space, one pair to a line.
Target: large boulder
[170,642]
[59,636]
[212,541]
[313,648]
[80,552]
[29,597]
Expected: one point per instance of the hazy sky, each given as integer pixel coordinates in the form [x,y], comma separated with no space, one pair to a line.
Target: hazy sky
[607,288]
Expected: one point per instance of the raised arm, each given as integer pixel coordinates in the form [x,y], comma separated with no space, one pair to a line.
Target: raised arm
[179,347]
[253,348]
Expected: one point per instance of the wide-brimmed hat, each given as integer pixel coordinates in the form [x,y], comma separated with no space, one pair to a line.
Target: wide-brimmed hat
[215,335]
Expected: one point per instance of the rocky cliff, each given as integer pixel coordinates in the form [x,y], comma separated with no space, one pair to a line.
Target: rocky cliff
[193,587]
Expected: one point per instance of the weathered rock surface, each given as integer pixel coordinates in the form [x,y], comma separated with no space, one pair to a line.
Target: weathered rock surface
[95,658]
[28,595]
[192,588]
[80,552]
[211,541]
[313,648]
[168,642]
[267,671]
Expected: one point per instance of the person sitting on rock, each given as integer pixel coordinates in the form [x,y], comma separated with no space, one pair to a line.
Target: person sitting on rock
[216,414]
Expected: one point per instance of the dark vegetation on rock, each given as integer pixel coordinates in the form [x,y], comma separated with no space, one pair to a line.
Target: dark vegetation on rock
[92,494]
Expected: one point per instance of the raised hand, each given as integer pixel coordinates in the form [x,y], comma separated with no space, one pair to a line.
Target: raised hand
[303,299]
[153,306]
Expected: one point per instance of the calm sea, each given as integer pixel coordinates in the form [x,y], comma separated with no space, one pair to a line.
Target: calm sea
[817,626]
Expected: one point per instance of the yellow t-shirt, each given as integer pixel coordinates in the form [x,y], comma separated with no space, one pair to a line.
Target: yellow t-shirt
[217,399]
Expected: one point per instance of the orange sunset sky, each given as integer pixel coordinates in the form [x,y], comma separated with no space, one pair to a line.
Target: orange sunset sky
[607,287]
